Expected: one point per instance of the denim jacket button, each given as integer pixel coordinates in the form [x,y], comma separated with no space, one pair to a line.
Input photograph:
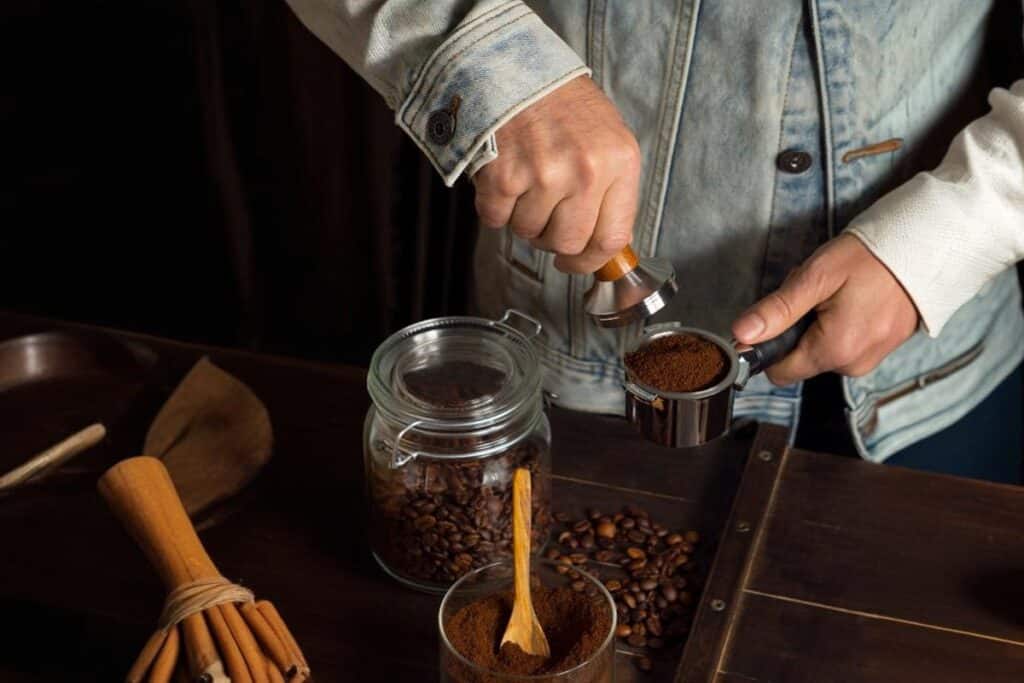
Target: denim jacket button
[794,161]
[441,127]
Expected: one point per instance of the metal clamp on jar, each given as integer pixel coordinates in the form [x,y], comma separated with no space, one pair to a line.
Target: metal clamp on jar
[457,407]
[686,419]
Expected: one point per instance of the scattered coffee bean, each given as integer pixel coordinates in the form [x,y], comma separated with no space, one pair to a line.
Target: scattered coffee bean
[562,517]
[578,585]
[652,605]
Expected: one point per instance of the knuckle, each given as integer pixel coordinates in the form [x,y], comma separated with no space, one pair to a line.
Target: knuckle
[587,169]
[845,350]
[570,243]
[491,214]
[613,242]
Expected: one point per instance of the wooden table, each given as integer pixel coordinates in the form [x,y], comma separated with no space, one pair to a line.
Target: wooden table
[828,569]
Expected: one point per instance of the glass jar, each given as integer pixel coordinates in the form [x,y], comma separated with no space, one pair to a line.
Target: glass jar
[457,408]
[598,667]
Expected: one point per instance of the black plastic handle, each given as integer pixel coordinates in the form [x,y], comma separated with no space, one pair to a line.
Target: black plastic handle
[768,353]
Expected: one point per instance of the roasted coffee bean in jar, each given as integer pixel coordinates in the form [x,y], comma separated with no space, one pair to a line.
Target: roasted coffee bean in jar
[457,407]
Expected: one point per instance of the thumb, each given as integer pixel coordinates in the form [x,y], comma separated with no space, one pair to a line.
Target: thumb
[804,289]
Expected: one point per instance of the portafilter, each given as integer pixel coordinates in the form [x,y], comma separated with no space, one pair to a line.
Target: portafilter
[693,418]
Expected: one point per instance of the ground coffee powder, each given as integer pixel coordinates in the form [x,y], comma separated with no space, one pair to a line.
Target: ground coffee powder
[575,624]
[678,363]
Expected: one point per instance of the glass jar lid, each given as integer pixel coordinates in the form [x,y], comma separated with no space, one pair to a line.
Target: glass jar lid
[459,375]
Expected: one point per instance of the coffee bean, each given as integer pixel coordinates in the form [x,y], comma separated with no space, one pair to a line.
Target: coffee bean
[581,526]
[613,585]
[623,631]
[573,574]
[692,537]
[578,558]
[644,663]
[634,511]
[605,555]
[637,640]
[662,603]
[670,593]
[587,542]
[606,530]
[638,628]
[552,553]
[648,584]
[630,600]
[606,543]
[593,513]
[425,522]
[564,537]
[577,585]
[636,536]
[653,626]
[636,553]
[627,523]
[673,539]
[637,564]
[562,517]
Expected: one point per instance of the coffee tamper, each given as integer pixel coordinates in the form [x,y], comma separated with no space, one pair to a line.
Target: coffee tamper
[628,288]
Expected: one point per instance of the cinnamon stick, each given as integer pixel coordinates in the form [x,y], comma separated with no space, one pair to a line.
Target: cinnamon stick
[277,623]
[268,640]
[145,659]
[229,650]
[251,652]
[202,653]
[163,667]
[273,673]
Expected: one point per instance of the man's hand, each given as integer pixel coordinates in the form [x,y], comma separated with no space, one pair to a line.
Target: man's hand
[863,313]
[566,177]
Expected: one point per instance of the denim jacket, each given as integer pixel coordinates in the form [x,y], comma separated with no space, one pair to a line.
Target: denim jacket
[715,91]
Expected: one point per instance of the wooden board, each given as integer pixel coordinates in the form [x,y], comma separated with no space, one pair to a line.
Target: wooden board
[859,572]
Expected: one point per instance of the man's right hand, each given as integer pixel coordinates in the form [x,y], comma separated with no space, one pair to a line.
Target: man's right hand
[567,177]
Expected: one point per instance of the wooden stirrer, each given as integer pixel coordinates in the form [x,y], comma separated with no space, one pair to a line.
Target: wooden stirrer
[523,628]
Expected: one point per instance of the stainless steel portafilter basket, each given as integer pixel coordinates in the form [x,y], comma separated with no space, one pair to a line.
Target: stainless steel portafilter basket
[687,419]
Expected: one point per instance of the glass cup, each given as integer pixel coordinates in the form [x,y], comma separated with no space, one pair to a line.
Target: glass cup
[599,667]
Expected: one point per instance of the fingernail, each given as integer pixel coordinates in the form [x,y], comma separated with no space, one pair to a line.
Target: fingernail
[748,327]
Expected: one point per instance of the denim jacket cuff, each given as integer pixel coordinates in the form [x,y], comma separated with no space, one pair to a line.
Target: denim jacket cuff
[484,73]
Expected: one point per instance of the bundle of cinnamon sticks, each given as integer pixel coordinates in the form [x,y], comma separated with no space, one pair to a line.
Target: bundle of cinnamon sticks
[211,631]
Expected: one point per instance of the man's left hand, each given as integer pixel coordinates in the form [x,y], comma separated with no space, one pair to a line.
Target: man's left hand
[863,313]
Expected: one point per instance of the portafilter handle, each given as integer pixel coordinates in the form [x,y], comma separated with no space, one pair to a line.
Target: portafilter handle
[755,358]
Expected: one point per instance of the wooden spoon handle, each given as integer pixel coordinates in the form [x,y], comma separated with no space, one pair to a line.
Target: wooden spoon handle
[620,264]
[521,527]
[141,494]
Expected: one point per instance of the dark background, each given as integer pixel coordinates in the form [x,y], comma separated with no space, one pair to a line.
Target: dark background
[208,170]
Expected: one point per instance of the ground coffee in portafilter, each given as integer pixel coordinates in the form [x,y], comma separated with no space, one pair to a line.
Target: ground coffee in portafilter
[678,363]
[575,624]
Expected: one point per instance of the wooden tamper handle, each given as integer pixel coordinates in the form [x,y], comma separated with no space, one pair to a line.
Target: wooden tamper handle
[620,264]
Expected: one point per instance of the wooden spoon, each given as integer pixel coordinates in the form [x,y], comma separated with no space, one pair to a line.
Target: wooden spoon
[523,628]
